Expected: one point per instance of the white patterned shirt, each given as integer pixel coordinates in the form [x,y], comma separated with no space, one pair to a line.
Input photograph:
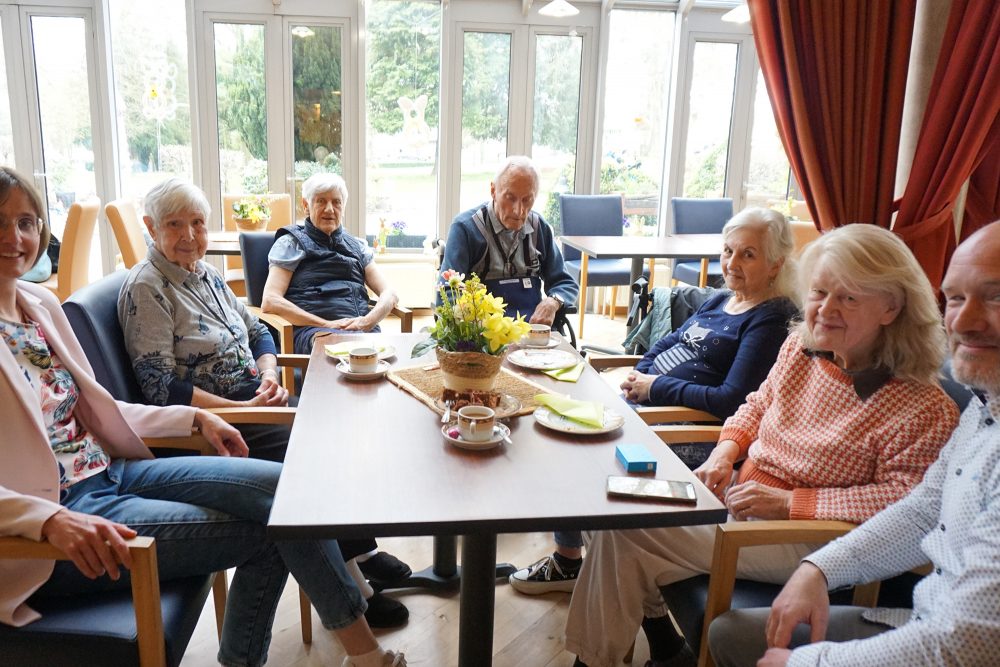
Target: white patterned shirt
[952,519]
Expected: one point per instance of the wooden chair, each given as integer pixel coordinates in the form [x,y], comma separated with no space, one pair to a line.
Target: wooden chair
[281,216]
[74,253]
[699,216]
[804,232]
[128,229]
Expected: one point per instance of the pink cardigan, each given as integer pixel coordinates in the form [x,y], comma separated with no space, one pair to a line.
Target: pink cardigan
[29,477]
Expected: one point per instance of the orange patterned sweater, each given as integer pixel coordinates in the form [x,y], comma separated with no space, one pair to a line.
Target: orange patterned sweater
[845,458]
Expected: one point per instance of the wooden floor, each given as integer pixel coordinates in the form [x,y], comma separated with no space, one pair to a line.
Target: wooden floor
[528,630]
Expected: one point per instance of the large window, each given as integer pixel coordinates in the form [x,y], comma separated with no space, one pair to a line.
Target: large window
[149,54]
[713,83]
[767,178]
[6,130]
[403,85]
[635,113]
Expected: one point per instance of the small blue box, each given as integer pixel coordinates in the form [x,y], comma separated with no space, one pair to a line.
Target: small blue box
[635,458]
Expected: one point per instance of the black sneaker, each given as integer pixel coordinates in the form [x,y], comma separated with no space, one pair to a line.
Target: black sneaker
[385,612]
[544,576]
[383,569]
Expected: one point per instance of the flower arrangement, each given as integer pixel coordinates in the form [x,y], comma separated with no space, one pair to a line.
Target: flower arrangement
[398,228]
[254,209]
[470,319]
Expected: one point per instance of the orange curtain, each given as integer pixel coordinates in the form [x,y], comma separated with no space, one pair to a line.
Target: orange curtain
[982,205]
[836,76]
[960,128]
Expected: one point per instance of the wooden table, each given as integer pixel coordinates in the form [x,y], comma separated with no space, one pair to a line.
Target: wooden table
[639,248]
[368,460]
[223,243]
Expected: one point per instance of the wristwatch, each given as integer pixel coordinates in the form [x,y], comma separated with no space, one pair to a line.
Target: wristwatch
[558,299]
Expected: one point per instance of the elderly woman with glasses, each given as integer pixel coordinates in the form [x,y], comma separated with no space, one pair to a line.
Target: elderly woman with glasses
[76,473]
[192,342]
[846,423]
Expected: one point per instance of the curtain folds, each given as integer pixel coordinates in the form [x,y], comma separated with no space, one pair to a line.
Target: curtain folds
[836,77]
[982,205]
[960,129]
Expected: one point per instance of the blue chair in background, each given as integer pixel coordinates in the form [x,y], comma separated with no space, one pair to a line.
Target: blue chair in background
[699,216]
[594,215]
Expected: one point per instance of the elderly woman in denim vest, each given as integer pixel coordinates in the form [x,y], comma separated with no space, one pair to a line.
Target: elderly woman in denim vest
[320,275]
[192,342]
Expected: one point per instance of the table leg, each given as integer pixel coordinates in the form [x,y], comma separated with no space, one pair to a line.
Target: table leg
[475,621]
[703,276]
[584,266]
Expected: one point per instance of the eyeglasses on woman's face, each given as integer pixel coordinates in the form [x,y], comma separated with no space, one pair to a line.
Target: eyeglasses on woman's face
[26,225]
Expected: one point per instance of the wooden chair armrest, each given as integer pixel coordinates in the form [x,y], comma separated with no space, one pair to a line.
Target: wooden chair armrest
[261,415]
[195,442]
[293,360]
[674,433]
[674,413]
[602,362]
[280,324]
[145,588]
[405,316]
[731,537]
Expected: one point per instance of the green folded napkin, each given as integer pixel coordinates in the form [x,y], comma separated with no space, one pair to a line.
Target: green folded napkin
[589,413]
[568,374]
[344,348]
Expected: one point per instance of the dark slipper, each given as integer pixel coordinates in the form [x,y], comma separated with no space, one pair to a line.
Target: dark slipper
[385,612]
[383,569]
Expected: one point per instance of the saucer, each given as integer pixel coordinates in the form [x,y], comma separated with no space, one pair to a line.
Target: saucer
[542,359]
[500,431]
[528,346]
[344,367]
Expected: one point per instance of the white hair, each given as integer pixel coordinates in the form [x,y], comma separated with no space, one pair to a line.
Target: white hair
[778,244]
[173,196]
[517,163]
[325,182]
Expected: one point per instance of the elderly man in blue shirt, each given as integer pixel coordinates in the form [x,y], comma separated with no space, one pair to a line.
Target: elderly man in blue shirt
[951,519]
[511,248]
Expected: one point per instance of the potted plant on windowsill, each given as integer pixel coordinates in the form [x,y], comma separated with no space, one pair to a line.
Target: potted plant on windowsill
[251,213]
[471,333]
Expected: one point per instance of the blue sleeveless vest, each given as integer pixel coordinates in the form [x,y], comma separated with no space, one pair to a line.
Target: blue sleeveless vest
[330,281]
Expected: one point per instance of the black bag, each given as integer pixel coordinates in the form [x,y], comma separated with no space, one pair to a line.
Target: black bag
[53,252]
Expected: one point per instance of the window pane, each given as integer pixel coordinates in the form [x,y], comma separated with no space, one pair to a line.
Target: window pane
[61,64]
[556,117]
[317,100]
[239,75]
[149,57]
[767,181]
[635,112]
[713,78]
[6,131]
[402,86]
[485,94]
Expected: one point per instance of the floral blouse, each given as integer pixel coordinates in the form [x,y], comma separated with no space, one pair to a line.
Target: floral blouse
[79,455]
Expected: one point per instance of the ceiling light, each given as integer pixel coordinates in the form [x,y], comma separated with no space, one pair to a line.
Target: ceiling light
[559,9]
[302,31]
[738,14]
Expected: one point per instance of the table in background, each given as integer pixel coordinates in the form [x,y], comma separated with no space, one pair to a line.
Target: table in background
[369,460]
[639,248]
[223,243]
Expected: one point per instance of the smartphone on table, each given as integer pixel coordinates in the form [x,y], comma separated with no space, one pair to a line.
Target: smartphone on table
[665,490]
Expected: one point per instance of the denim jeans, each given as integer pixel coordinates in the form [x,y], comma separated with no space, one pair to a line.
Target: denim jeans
[207,514]
[569,538]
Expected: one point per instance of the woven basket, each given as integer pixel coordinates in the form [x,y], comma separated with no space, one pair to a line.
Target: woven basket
[248,225]
[464,371]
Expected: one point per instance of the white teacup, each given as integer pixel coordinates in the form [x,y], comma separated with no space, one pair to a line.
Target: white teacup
[476,422]
[364,360]
[539,335]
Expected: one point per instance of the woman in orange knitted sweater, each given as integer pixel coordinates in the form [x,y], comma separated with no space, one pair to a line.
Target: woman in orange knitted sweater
[846,423]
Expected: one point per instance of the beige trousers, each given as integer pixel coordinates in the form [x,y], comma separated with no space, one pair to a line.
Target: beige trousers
[621,575]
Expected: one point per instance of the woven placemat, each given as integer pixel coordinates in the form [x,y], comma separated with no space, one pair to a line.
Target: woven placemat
[426,385]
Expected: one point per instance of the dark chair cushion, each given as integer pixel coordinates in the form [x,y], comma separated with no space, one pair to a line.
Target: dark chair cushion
[98,630]
[687,599]
[602,272]
[690,272]
[93,313]
[254,247]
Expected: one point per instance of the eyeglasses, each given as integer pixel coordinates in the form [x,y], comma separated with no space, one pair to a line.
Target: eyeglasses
[28,226]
